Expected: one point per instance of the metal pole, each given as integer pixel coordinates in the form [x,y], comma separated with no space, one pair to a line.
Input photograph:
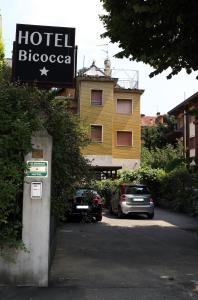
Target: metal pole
[184,133]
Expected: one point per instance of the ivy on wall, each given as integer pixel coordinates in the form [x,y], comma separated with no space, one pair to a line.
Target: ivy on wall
[24,110]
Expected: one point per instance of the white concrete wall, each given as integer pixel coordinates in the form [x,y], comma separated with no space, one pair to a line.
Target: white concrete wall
[108,160]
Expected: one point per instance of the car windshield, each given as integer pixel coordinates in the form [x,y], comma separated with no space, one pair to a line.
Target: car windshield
[136,190]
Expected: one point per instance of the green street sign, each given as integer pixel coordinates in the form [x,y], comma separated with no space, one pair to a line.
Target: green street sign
[37,169]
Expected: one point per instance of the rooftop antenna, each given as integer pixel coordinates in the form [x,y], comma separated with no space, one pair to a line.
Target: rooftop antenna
[106,51]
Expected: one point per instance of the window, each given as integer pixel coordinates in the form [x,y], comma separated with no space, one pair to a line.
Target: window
[124,106]
[124,138]
[137,190]
[96,133]
[96,97]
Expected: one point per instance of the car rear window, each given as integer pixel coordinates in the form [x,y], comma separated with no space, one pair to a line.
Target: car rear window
[83,192]
[80,192]
[136,190]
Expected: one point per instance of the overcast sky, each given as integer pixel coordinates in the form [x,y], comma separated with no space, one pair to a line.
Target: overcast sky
[160,95]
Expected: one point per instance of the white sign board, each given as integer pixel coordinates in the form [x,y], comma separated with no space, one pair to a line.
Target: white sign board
[36,190]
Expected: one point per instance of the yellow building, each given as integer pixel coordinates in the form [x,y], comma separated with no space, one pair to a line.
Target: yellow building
[111,114]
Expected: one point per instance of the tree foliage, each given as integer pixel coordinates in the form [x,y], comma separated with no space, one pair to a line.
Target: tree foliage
[161,33]
[19,108]
[158,136]
[69,167]
[158,151]
[168,158]
[24,110]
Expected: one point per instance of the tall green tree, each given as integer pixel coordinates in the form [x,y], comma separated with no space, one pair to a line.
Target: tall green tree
[167,158]
[161,33]
[158,136]
[24,110]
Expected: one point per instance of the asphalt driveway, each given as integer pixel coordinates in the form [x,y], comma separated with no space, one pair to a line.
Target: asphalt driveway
[132,258]
[154,259]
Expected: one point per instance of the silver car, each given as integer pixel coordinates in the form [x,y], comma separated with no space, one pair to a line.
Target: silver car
[132,198]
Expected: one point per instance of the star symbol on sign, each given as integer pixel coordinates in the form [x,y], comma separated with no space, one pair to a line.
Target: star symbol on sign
[44,71]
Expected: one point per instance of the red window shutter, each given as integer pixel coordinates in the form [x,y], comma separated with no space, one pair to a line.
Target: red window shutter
[124,138]
[96,97]
[124,106]
[96,133]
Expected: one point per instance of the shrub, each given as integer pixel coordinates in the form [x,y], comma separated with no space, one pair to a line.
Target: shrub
[178,191]
[168,158]
[69,167]
[174,190]
[19,117]
[106,188]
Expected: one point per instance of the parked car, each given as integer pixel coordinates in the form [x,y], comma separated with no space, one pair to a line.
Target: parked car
[132,199]
[85,203]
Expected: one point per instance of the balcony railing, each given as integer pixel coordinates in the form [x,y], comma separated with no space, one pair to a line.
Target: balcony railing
[128,79]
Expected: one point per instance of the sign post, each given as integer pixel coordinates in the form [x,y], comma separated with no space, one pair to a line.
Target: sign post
[36,211]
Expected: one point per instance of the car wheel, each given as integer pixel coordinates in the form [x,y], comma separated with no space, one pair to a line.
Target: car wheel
[99,217]
[120,213]
[150,216]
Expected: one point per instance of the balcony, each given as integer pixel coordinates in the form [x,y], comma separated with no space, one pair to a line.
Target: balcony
[177,133]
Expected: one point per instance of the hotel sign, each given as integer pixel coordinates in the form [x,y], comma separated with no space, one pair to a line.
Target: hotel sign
[44,55]
[37,169]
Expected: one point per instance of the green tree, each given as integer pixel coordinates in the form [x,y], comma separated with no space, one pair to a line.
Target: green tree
[161,33]
[69,167]
[153,137]
[24,110]
[158,136]
[167,158]
[19,107]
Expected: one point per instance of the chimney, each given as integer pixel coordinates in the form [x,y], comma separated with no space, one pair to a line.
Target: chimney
[107,67]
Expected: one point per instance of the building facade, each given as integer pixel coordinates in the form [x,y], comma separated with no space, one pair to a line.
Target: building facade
[186,114]
[111,114]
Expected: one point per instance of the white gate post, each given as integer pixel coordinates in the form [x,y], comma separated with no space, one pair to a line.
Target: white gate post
[36,211]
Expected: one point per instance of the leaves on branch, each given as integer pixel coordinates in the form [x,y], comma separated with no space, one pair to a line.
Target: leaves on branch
[161,33]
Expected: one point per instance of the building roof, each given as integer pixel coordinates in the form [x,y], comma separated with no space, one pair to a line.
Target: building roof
[121,85]
[183,104]
[148,120]
[92,71]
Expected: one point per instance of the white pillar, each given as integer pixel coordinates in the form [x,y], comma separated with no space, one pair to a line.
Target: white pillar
[36,216]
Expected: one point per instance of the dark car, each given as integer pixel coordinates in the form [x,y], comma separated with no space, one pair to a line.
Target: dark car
[86,203]
[132,199]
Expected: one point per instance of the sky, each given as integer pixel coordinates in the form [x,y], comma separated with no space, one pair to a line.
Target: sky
[160,94]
